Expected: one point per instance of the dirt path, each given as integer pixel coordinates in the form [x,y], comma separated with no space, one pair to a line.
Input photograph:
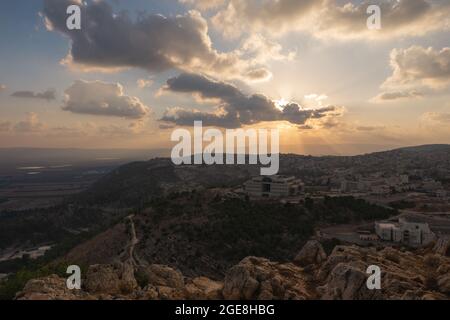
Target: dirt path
[132,242]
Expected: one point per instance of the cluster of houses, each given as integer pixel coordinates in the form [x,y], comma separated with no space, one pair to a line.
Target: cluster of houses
[377,185]
[402,231]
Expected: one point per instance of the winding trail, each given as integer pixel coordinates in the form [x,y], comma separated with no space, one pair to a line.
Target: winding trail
[132,243]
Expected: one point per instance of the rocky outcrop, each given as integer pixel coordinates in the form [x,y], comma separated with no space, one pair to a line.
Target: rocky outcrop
[311,254]
[49,288]
[111,279]
[404,274]
[202,288]
[164,276]
[423,275]
[258,278]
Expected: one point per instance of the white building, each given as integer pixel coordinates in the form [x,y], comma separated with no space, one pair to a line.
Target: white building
[406,232]
[273,187]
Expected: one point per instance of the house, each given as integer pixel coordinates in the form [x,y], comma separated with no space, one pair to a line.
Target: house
[273,187]
[405,232]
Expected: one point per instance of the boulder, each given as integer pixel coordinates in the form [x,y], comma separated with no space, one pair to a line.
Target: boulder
[202,288]
[258,278]
[128,283]
[49,288]
[311,253]
[103,279]
[159,275]
[346,282]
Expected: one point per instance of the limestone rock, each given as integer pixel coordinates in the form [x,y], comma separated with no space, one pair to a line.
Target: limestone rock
[311,253]
[159,275]
[407,275]
[128,283]
[49,288]
[102,279]
[346,282]
[202,288]
[258,278]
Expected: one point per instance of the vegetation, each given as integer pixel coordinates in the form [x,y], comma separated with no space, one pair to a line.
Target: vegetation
[226,231]
[25,269]
[402,205]
[50,225]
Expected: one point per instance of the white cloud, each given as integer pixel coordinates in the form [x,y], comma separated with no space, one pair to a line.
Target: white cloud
[204,4]
[330,19]
[419,66]
[442,118]
[144,83]
[103,99]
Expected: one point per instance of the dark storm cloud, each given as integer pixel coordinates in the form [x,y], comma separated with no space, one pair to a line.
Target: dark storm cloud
[46,95]
[234,108]
[152,41]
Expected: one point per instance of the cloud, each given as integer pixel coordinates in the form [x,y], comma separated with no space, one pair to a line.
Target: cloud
[261,49]
[144,83]
[261,74]
[204,4]
[419,66]
[396,95]
[46,95]
[234,109]
[370,128]
[95,130]
[266,15]
[330,19]
[103,99]
[399,18]
[109,41]
[437,117]
[2,87]
[30,124]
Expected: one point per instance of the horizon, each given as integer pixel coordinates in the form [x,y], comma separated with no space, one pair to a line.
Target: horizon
[394,148]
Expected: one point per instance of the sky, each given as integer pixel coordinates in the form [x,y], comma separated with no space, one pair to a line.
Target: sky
[139,69]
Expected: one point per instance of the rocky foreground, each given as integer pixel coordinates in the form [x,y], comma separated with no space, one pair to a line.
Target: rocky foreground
[424,274]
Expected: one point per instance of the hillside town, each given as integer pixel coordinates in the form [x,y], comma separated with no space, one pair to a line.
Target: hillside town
[420,193]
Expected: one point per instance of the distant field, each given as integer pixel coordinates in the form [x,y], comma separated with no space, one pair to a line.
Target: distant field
[39,187]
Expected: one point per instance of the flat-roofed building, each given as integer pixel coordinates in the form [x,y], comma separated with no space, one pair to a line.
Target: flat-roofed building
[406,232]
[273,187]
